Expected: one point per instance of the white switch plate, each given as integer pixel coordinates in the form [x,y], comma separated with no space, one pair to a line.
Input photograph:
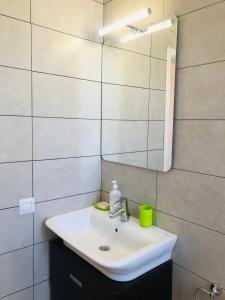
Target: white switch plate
[26,206]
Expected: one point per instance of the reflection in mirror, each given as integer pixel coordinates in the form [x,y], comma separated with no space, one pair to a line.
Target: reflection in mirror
[138,95]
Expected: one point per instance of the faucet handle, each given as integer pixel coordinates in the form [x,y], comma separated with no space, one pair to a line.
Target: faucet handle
[119,202]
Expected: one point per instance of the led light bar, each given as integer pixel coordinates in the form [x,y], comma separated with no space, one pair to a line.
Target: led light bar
[126,21]
[152,28]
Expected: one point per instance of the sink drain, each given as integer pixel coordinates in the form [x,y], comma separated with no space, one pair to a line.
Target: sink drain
[104,248]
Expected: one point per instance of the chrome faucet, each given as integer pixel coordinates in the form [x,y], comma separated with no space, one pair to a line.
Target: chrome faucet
[121,208]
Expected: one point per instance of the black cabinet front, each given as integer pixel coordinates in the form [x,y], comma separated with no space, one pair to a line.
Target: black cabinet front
[72,278]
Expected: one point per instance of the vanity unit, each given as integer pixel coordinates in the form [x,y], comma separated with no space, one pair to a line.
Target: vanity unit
[72,278]
[101,258]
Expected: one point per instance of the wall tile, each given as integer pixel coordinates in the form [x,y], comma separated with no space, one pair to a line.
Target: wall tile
[66,177]
[17,8]
[23,295]
[158,74]
[185,283]
[19,232]
[134,183]
[178,7]
[122,102]
[57,96]
[157,105]
[141,46]
[52,14]
[156,135]
[138,159]
[205,98]
[16,38]
[124,67]
[58,53]
[41,262]
[117,138]
[49,209]
[42,291]
[161,40]
[16,183]
[77,138]
[199,146]
[156,160]
[200,37]
[15,92]
[195,197]
[195,242]
[16,271]
[15,136]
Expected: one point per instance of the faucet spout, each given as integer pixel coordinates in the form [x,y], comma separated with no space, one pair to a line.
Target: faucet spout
[121,208]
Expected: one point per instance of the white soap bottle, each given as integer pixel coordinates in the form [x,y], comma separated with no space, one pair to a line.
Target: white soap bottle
[114,195]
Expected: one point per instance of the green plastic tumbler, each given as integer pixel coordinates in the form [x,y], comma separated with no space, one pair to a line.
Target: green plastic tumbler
[145,215]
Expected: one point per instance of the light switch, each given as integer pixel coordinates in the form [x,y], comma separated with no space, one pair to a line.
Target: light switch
[26,206]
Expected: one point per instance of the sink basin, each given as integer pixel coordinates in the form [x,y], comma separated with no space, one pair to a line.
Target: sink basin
[121,251]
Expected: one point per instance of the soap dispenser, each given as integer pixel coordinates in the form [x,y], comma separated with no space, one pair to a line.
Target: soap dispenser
[114,195]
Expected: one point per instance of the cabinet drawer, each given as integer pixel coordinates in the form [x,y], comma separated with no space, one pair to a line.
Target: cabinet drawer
[71,280]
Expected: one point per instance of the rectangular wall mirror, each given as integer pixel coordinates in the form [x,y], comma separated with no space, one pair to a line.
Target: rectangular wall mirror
[138,95]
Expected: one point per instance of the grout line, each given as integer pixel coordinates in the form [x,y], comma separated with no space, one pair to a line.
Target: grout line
[202,64]
[16,68]
[197,172]
[149,99]
[19,291]
[53,199]
[62,118]
[201,8]
[199,120]
[69,196]
[52,29]
[132,86]
[107,2]
[101,127]
[71,157]
[66,118]
[50,159]
[133,120]
[140,151]
[156,195]
[15,250]
[66,33]
[26,288]
[78,78]
[135,52]
[14,18]
[98,2]
[66,76]
[125,120]
[40,282]
[191,222]
[32,139]
[193,273]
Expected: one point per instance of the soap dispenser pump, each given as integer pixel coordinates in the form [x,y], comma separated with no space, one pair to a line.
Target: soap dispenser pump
[114,195]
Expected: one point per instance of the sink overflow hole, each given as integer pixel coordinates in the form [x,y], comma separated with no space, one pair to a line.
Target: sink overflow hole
[104,248]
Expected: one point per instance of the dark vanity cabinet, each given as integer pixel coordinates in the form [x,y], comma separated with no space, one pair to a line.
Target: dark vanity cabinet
[72,278]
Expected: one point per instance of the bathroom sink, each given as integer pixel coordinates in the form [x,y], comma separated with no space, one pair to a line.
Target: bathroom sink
[121,251]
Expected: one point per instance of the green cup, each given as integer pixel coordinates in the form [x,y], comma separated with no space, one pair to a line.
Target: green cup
[145,215]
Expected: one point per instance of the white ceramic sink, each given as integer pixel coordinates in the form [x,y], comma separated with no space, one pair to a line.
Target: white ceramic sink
[133,250]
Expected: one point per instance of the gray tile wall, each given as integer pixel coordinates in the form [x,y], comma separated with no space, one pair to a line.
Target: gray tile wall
[50,105]
[189,200]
